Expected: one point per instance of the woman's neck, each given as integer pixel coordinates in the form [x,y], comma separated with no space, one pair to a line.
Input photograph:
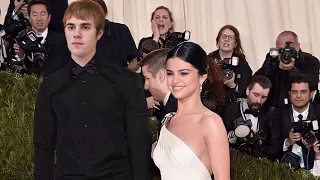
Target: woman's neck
[224,54]
[191,105]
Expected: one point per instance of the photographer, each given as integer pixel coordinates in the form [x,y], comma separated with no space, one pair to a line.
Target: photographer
[17,7]
[45,57]
[300,126]
[253,128]
[237,72]
[288,62]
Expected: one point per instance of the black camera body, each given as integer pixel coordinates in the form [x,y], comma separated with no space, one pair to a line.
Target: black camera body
[226,65]
[283,54]
[175,38]
[308,129]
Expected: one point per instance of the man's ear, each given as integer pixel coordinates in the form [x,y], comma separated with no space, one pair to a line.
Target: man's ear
[247,91]
[99,35]
[162,75]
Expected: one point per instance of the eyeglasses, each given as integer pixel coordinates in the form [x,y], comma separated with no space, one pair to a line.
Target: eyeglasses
[230,37]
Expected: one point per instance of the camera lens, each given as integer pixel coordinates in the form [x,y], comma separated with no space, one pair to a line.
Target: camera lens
[228,74]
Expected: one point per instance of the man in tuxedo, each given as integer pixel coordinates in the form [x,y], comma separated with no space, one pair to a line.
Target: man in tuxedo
[297,143]
[53,43]
[117,44]
[90,118]
[253,128]
[154,72]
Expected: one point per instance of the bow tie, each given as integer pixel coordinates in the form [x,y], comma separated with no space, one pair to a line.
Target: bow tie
[253,113]
[78,70]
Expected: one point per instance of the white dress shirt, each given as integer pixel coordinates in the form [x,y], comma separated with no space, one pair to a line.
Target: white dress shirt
[166,98]
[44,34]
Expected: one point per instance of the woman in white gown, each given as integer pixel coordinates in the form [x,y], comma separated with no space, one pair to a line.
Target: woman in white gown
[193,143]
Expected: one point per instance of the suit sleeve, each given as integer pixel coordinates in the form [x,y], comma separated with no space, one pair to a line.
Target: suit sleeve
[137,126]
[44,136]
[128,41]
[311,70]
[245,79]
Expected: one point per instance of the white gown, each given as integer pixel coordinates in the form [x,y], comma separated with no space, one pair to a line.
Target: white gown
[175,159]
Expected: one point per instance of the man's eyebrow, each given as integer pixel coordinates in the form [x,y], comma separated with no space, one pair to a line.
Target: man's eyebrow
[86,24]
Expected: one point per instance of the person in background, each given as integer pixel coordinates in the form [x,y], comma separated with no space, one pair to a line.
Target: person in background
[87,125]
[117,44]
[230,56]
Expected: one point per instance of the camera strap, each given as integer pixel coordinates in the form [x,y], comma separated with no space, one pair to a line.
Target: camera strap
[243,107]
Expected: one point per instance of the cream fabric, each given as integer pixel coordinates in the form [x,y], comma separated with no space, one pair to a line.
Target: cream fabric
[259,21]
[175,159]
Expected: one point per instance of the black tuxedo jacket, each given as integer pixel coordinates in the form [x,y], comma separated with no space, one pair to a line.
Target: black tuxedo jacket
[287,125]
[58,55]
[269,123]
[95,126]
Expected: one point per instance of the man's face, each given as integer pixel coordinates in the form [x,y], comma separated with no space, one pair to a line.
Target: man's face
[281,42]
[257,96]
[39,17]
[153,84]
[300,94]
[81,37]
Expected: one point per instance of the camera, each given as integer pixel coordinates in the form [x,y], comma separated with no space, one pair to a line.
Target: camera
[26,1]
[284,54]
[308,130]
[242,127]
[226,65]
[174,38]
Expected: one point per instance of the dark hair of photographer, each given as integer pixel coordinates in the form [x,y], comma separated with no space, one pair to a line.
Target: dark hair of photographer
[35,2]
[229,55]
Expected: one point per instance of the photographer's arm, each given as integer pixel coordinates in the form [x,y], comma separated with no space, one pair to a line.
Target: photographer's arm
[316,166]
[242,83]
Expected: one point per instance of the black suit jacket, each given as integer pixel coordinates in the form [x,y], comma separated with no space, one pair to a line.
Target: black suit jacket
[126,138]
[269,123]
[287,125]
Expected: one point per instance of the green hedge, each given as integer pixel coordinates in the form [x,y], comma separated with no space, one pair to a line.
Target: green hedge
[17,101]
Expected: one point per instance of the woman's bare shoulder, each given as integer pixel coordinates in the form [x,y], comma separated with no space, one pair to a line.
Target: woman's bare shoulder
[211,121]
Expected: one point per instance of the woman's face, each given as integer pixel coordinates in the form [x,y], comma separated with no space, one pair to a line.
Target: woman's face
[227,41]
[183,79]
[162,20]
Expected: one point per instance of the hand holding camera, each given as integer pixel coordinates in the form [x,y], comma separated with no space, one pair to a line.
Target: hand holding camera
[18,50]
[293,138]
[316,148]
[20,7]
[287,67]
[230,82]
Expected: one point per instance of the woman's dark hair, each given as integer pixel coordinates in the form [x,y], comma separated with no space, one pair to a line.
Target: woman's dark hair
[238,50]
[192,53]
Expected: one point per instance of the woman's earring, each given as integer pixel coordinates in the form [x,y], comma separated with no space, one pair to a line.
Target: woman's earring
[200,87]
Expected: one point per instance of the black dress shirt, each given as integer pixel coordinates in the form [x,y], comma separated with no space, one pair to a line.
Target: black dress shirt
[97,128]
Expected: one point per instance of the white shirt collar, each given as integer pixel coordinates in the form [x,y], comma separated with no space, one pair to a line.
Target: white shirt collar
[44,34]
[304,114]
[166,98]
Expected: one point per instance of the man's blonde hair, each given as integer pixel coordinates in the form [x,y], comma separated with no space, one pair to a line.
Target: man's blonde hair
[85,10]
